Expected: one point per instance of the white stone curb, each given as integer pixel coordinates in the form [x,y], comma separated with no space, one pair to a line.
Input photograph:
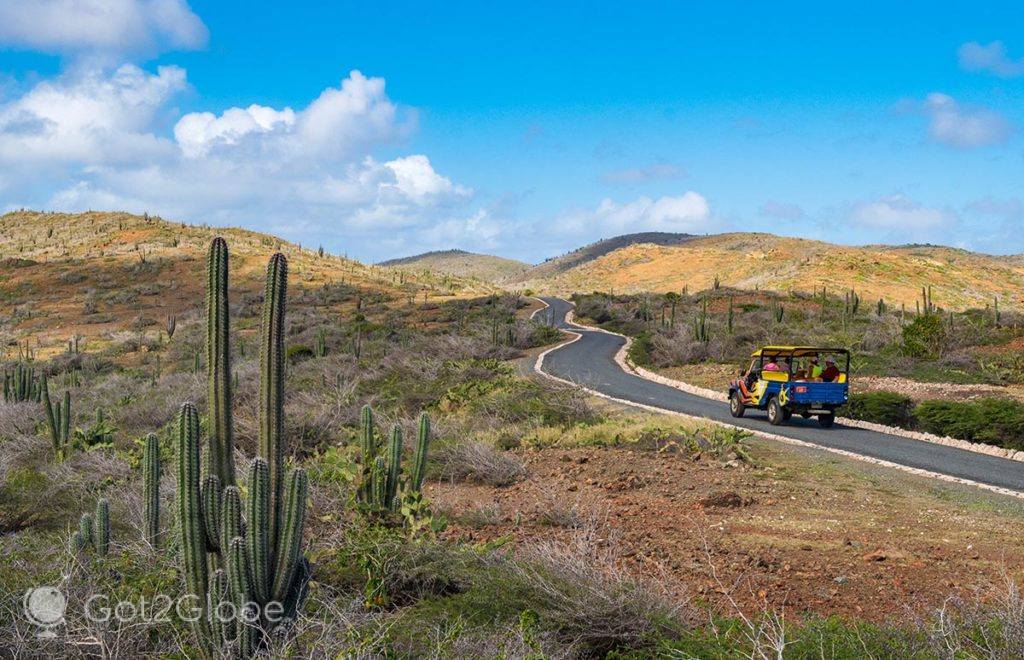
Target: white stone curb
[620,359]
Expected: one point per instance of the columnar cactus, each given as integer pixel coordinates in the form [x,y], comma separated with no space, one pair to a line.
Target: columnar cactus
[151,490]
[258,560]
[271,396]
[101,533]
[419,457]
[21,384]
[58,421]
[382,486]
[367,451]
[220,445]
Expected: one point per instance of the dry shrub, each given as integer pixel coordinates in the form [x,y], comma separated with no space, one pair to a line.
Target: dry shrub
[593,603]
[479,463]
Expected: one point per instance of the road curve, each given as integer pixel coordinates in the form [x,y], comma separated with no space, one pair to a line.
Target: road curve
[590,362]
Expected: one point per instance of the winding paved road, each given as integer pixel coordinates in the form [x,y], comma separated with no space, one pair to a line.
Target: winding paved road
[590,362]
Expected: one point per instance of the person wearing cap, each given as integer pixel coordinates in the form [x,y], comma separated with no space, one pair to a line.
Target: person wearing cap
[831,371]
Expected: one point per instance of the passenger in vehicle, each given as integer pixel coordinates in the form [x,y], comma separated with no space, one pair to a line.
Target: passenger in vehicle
[814,369]
[831,371]
[772,365]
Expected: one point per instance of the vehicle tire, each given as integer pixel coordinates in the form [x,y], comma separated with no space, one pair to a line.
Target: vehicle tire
[776,413]
[827,420]
[786,414]
[736,405]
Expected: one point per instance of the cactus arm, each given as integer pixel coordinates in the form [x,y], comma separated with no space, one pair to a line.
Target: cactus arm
[220,447]
[101,535]
[51,421]
[151,489]
[368,452]
[191,535]
[240,581]
[394,468]
[272,390]
[230,516]
[218,594]
[210,494]
[379,482]
[85,528]
[290,546]
[258,535]
[419,459]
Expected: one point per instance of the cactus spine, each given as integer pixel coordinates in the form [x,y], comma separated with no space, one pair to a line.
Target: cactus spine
[151,489]
[220,446]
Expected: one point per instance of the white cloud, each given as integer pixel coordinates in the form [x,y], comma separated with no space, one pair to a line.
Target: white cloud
[956,126]
[89,118]
[100,26]
[991,58]
[688,212]
[900,215]
[341,123]
[199,132]
[782,210]
[652,172]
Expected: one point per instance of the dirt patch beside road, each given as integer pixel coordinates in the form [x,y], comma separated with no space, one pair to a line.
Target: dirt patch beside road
[804,531]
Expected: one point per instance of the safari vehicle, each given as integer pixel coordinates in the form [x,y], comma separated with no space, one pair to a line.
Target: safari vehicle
[793,379]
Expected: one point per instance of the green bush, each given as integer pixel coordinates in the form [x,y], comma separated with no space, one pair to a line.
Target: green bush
[640,350]
[992,421]
[890,408]
[924,337]
[299,352]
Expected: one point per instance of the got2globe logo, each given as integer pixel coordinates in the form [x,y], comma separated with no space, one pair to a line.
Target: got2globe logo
[44,607]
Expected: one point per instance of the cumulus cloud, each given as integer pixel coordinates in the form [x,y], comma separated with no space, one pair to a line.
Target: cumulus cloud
[100,26]
[339,124]
[900,215]
[652,172]
[90,118]
[782,210]
[990,58]
[688,212]
[964,128]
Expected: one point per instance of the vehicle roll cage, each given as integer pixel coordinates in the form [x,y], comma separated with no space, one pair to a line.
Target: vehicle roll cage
[797,352]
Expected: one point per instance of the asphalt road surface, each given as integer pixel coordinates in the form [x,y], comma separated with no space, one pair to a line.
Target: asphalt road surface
[590,362]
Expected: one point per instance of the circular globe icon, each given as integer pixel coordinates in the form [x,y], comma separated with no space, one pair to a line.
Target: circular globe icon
[44,606]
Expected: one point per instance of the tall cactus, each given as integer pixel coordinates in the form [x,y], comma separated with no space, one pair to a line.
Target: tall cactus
[368,451]
[191,531]
[382,487]
[394,467]
[220,445]
[419,457]
[58,420]
[271,399]
[151,490]
[101,532]
[258,559]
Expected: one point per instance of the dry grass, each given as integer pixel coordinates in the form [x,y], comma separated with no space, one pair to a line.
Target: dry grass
[479,463]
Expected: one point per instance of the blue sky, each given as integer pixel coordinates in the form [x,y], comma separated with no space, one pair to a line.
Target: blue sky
[523,130]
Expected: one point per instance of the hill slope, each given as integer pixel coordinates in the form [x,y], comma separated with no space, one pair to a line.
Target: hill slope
[959,278]
[461,264]
[588,253]
[101,274]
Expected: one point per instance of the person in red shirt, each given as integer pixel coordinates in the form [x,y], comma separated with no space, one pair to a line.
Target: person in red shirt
[831,371]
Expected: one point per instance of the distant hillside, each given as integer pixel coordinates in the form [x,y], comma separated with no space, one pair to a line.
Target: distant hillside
[587,253]
[959,279]
[98,274]
[461,264]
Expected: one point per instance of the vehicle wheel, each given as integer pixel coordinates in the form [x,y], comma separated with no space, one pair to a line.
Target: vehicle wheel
[776,414]
[786,414]
[736,406]
[827,421]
